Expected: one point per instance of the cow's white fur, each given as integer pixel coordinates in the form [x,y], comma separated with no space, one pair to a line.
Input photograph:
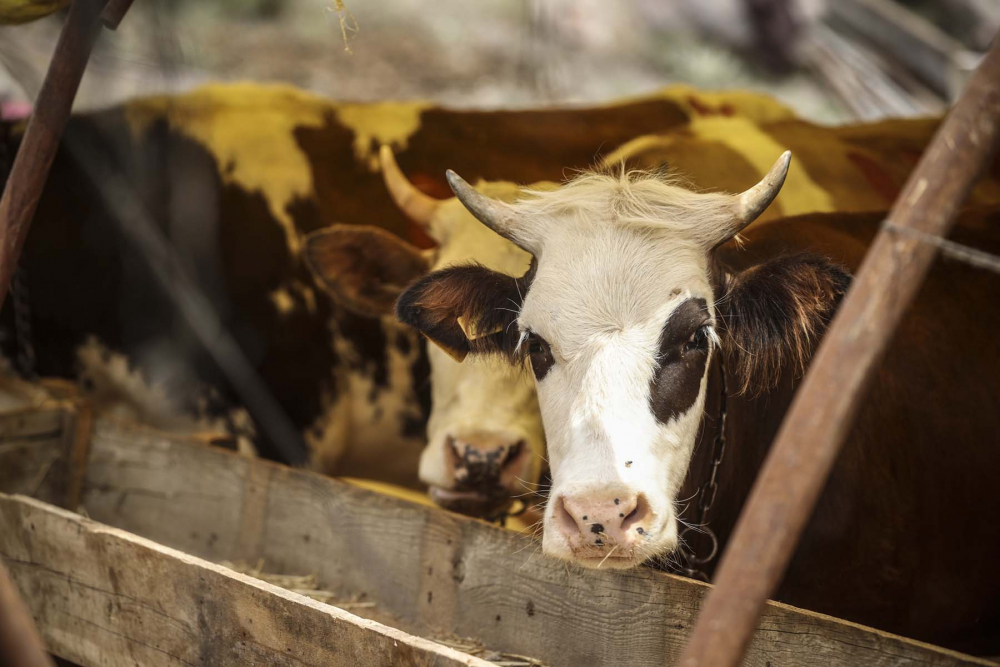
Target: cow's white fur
[617,254]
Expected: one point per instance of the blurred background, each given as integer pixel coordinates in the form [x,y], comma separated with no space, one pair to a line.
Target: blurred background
[833,61]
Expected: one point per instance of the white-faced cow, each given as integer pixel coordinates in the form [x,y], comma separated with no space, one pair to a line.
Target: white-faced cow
[633,301]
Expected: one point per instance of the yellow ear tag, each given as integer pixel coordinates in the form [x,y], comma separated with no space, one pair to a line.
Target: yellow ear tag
[457,355]
[472,333]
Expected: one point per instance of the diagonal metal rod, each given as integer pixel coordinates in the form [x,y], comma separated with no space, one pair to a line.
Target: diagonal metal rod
[45,127]
[19,641]
[825,406]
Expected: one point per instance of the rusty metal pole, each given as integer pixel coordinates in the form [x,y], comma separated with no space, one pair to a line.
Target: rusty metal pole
[20,644]
[823,411]
[45,127]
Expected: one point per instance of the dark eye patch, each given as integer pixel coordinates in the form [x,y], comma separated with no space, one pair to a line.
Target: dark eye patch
[681,357]
[540,355]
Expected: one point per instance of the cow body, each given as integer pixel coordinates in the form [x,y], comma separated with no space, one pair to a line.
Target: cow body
[349,383]
[904,536]
[632,301]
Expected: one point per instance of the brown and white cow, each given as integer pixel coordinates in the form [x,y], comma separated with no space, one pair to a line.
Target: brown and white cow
[632,300]
[485,443]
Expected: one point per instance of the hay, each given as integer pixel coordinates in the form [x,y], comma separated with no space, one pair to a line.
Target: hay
[347,22]
[476,648]
[302,584]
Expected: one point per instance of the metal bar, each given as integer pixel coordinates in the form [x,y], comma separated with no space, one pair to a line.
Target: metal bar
[114,12]
[41,138]
[20,643]
[826,404]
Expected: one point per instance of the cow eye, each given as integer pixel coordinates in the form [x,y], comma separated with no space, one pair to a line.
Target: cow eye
[698,339]
[540,355]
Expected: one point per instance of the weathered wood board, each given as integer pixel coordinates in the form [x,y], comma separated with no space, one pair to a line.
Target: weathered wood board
[436,572]
[102,596]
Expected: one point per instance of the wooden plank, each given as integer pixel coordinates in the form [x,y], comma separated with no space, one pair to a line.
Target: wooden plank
[32,442]
[438,572]
[102,596]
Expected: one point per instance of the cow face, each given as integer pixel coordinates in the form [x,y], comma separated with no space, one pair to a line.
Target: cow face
[485,438]
[619,323]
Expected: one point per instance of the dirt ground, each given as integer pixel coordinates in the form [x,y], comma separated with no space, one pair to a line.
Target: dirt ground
[487,53]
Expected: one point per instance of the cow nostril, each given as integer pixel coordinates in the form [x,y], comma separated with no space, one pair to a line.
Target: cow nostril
[513,452]
[567,523]
[639,513]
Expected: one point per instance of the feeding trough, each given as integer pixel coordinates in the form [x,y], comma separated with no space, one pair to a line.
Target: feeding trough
[135,574]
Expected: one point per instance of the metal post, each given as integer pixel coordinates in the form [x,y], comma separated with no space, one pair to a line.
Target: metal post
[41,138]
[19,641]
[823,411]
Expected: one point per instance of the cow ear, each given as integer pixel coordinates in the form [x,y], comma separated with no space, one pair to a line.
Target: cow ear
[364,268]
[773,315]
[464,309]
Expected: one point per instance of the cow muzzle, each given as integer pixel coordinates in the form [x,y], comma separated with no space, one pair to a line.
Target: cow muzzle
[486,470]
[605,528]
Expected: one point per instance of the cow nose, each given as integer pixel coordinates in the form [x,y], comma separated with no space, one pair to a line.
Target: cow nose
[484,461]
[603,520]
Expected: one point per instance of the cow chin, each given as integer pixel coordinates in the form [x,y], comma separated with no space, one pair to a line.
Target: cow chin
[484,504]
[485,492]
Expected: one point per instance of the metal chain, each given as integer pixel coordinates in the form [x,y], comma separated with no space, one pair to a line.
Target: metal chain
[951,249]
[693,566]
[26,359]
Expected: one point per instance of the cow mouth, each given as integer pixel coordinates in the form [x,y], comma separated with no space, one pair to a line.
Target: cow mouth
[606,561]
[482,504]
[605,558]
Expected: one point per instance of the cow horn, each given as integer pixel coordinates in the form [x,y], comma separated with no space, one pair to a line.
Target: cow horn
[494,214]
[750,204]
[415,204]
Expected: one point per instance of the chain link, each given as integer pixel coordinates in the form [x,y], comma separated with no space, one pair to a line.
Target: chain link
[693,565]
[26,359]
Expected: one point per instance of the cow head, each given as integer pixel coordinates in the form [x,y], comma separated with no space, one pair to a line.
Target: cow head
[485,438]
[619,318]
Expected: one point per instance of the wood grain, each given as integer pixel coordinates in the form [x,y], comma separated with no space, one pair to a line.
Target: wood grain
[438,572]
[102,596]
[431,572]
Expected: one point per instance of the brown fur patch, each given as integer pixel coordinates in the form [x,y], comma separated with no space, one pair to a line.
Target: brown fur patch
[363,268]
[772,316]
[485,300]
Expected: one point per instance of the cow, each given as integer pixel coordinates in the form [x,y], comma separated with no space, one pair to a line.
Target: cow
[647,330]
[235,177]
[485,443]
[852,168]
